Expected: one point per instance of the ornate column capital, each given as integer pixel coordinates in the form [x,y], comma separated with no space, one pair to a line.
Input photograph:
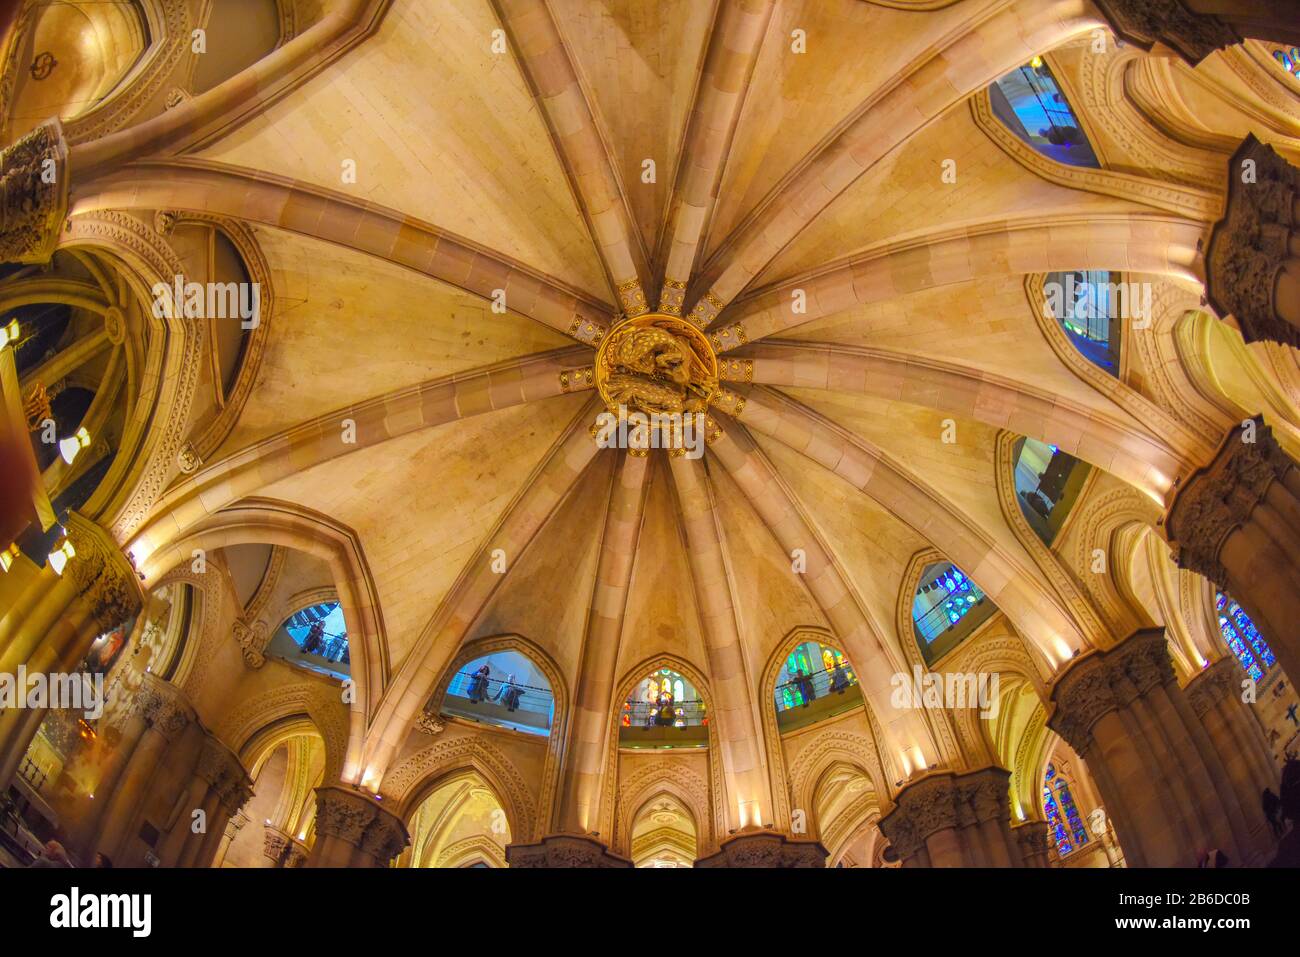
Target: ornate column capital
[1144,23]
[163,706]
[276,843]
[357,818]
[765,849]
[1105,681]
[33,194]
[945,800]
[1034,839]
[1220,497]
[221,768]
[1250,245]
[101,574]
[1216,682]
[564,850]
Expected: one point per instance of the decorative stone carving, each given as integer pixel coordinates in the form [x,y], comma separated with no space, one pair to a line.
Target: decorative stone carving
[1251,246]
[188,459]
[1033,839]
[164,221]
[358,819]
[765,849]
[1145,23]
[428,723]
[296,854]
[276,844]
[175,97]
[33,194]
[1220,498]
[946,801]
[1106,681]
[672,297]
[252,639]
[564,850]
[102,574]
[656,363]
[1218,682]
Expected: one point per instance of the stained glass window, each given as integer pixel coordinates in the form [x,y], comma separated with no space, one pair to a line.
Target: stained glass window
[1289,60]
[1063,819]
[814,672]
[1048,482]
[1241,635]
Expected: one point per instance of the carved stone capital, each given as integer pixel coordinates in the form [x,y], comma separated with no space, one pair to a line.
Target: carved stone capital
[1221,497]
[564,850]
[1145,23]
[163,706]
[1033,839]
[429,723]
[766,849]
[221,768]
[942,801]
[276,843]
[1217,682]
[102,575]
[1106,681]
[33,195]
[1250,245]
[296,854]
[359,820]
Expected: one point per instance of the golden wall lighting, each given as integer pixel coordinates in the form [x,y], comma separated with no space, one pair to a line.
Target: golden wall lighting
[9,333]
[8,556]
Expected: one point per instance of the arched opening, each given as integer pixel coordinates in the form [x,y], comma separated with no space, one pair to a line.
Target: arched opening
[1089,304]
[74,54]
[460,823]
[946,609]
[505,688]
[1031,104]
[1048,483]
[1289,60]
[816,682]
[664,710]
[664,834]
[843,801]
[1079,831]
[276,826]
[315,638]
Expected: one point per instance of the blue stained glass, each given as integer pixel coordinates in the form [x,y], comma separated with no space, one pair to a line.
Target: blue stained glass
[1059,833]
[1243,638]
[1072,814]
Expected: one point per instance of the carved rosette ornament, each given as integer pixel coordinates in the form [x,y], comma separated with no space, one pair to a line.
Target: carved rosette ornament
[766,849]
[1144,23]
[946,801]
[1251,247]
[1221,497]
[102,575]
[1106,681]
[357,819]
[564,850]
[33,194]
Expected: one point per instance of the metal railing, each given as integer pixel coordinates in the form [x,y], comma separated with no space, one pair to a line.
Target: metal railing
[821,686]
[523,697]
[678,714]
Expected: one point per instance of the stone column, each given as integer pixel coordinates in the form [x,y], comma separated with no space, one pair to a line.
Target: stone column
[166,714]
[296,854]
[1193,29]
[33,195]
[54,629]
[353,830]
[1237,522]
[1252,264]
[951,819]
[764,848]
[224,788]
[564,850]
[1235,733]
[233,827]
[275,846]
[1160,778]
[1032,838]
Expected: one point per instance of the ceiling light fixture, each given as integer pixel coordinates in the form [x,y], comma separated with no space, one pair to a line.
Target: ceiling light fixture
[59,557]
[73,444]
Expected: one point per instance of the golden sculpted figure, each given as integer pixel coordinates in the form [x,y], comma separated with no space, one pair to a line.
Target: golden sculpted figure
[656,363]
